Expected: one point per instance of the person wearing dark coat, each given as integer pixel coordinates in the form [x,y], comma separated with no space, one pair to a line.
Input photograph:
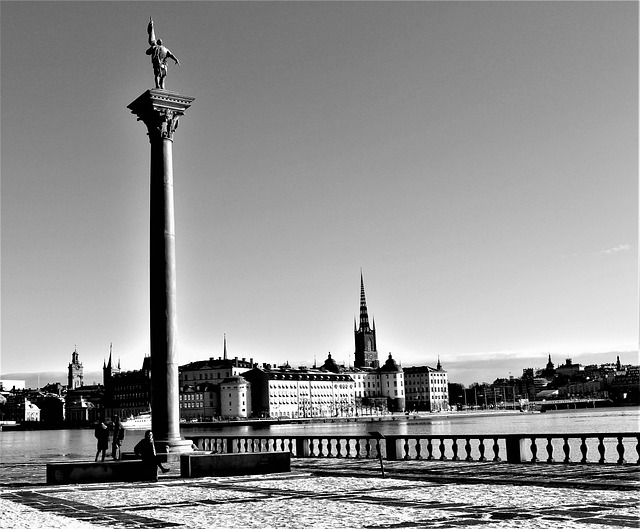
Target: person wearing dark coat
[146,449]
[118,436]
[102,435]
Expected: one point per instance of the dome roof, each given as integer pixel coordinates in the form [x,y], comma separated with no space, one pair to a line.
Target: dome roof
[330,365]
[390,366]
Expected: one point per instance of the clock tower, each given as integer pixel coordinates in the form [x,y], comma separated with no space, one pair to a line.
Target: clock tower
[75,372]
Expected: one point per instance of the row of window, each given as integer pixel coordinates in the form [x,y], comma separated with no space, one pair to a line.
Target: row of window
[203,376]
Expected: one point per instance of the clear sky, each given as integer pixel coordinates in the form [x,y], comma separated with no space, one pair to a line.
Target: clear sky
[478,161]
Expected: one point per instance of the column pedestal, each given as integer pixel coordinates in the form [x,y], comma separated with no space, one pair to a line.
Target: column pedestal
[160,110]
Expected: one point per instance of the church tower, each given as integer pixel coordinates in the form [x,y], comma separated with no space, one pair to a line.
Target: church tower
[75,372]
[366,351]
[110,369]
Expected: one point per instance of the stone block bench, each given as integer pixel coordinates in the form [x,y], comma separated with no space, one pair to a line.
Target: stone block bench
[67,473]
[199,464]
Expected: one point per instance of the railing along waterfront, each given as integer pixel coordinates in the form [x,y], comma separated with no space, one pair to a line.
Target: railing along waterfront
[581,448]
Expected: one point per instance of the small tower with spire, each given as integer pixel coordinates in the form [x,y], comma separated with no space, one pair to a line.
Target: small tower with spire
[366,353]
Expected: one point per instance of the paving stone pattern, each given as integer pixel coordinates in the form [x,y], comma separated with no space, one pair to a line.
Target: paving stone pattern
[344,494]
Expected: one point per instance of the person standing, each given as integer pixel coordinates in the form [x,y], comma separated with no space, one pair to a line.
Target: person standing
[102,435]
[118,436]
[146,449]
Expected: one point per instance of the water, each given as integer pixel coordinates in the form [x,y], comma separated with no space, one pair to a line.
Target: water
[39,447]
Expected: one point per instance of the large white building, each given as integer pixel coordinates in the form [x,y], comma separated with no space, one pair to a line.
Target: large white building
[294,393]
[427,388]
[235,397]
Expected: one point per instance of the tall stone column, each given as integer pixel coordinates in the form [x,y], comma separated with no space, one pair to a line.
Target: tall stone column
[160,110]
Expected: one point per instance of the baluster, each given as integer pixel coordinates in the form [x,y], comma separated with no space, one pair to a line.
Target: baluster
[496,450]
[338,448]
[329,448]
[311,448]
[442,448]
[583,449]
[275,445]
[320,448]
[482,448]
[406,448]
[549,450]
[239,444]
[367,446]
[430,450]
[282,444]
[638,451]
[534,450]
[348,447]
[567,450]
[454,447]
[246,445]
[620,449]
[601,449]
[358,448]
[467,449]
[418,449]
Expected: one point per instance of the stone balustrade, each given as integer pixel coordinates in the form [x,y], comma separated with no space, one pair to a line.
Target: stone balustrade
[582,448]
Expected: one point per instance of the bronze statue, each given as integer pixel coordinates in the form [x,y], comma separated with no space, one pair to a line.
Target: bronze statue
[159,55]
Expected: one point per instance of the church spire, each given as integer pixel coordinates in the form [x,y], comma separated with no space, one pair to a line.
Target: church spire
[364,315]
[366,353]
[225,346]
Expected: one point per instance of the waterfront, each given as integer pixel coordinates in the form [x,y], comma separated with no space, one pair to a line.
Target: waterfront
[328,493]
[40,446]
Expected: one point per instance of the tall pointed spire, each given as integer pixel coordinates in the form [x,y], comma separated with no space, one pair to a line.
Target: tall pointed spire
[110,351]
[366,353]
[364,316]
[225,346]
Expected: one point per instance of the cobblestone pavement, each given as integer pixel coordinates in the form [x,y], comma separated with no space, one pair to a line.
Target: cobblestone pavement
[344,494]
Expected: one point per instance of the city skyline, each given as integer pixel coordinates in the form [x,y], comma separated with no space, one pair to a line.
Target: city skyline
[477,160]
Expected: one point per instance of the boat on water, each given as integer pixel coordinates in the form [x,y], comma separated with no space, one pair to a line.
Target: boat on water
[142,421]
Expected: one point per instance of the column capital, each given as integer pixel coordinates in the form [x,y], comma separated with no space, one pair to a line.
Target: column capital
[160,110]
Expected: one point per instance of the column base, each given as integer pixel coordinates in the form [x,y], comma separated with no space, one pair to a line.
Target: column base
[164,446]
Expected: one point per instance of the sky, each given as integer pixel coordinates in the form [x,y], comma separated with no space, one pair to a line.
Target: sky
[477,161]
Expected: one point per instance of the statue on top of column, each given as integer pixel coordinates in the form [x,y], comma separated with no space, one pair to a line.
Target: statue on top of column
[159,55]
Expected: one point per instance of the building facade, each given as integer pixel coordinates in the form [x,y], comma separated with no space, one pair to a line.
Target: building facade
[200,402]
[126,393]
[235,398]
[426,388]
[297,393]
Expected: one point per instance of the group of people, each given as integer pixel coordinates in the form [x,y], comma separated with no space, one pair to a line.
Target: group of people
[102,435]
[145,449]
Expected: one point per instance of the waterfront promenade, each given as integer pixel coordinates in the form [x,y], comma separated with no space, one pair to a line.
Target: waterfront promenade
[338,493]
